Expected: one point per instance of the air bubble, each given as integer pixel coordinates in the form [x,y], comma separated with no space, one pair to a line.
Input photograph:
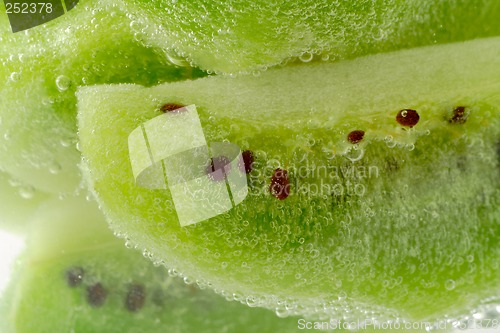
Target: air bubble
[161,227]
[389,141]
[55,168]
[410,147]
[176,60]
[63,82]
[173,272]
[15,76]
[65,142]
[238,297]
[47,101]
[355,154]
[128,244]
[27,192]
[306,57]
[449,285]
[282,312]
[252,301]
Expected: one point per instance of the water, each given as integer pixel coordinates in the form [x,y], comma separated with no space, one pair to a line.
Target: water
[63,82]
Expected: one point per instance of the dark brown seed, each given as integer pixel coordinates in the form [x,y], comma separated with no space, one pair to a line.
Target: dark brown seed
[280,185]
[96,295]
[459,116]
[218,163]
[248,160]
[169,107]
[355,136]
[136,297]
[407,117]
[74,276]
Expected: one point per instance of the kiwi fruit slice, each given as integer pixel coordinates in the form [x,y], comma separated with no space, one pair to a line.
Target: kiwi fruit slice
[246,36]
[41,68]
[373,190]
[75,276]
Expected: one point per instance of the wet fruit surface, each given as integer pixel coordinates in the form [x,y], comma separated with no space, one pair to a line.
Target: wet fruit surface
[87,281]
[400,223]
[362,222]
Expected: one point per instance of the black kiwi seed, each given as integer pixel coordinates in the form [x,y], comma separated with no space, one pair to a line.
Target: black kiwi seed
[218,163]
[407,117]
[96,295]
[169,107]
[280,185]
[248,159]
[74,276]
[355,136]
[459,115]
[136,297]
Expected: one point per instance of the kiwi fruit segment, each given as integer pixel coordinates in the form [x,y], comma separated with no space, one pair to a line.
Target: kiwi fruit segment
[391,163]
[75,276]
[232,37]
